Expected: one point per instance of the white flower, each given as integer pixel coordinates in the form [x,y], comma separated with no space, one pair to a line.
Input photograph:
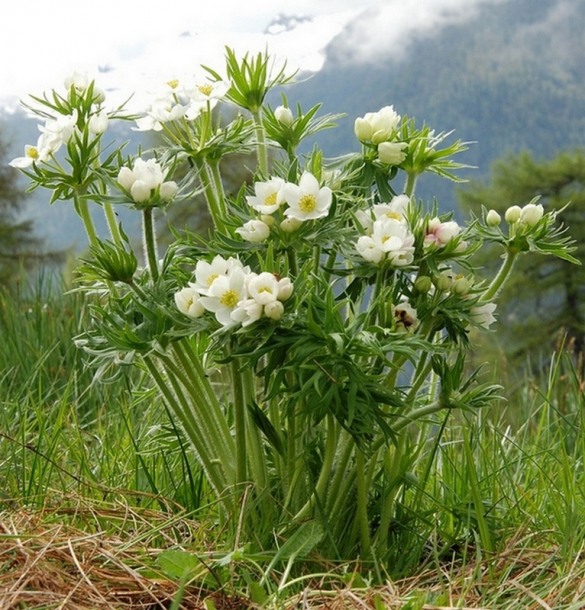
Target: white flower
[396,209]
[284,115]
[187,301]
[369,250]
[162,110]
[254,231]
[78,80]
[247,312]
[34,154]
[58,131]
[144,179]
[378,126]
[390,239]
[483,315]
[531,213]
[168,190]
[224,294]
[308,200]
[98,122]
[290,225]
[204,96]
[392,153]
[440,233]
[206,273]
[267,196]
[263,287]
[285,289]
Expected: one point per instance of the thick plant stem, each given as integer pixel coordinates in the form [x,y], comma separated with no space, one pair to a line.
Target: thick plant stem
[88,224]
[214,205]
[179,407]
[362,503]
[112,222]
[196,409]
[410,184]
[149,238]
[261,145]
[501,277]
[240,424]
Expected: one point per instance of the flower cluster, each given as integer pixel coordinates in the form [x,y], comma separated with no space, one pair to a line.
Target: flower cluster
[307,200]
[234,293]
[59,128]
[178,101]
[145,182]
[380,130]
[388,235]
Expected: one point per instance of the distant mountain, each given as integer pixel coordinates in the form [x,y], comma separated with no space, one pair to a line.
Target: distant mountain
[510,78]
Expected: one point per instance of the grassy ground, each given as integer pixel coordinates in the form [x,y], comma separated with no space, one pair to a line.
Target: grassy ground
[101,505]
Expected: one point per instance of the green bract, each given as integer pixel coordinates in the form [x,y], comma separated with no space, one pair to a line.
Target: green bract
[311,345]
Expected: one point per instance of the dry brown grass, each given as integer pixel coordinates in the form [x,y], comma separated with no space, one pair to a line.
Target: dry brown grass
[84,557]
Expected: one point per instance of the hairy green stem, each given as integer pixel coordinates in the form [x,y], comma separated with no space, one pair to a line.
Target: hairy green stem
[239,398]
[83,210]
[410,184]
[180,408]
[500,278]
[362,503]
[262,151]
[112,222]
[213,204]
[149,237]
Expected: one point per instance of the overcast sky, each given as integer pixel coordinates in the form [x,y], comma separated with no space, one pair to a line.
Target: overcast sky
[141,42]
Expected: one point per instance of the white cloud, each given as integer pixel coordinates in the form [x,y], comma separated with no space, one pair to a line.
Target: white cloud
[142,43]
[42,42]
[388,28]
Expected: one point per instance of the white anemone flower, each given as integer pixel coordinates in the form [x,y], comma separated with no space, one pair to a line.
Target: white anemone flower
[206,273]
[274,310]
[35,154]
[396,208]
[61,128]
[187,301]
[378,126]
[163,109]
[307,200]
[369,250]
[98,122]
[263,287]
[267,196]
[224,294]
[440,233]
[247,312]
[483,315]
[143,179]
[394,239]
[254,231]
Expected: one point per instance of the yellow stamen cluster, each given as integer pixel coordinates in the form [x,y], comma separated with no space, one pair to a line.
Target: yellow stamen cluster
[230,298]
[206,89]
[307,203]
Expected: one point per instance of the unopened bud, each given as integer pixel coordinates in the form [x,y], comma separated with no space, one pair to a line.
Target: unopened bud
[493,219]
[284,115]
[512,215]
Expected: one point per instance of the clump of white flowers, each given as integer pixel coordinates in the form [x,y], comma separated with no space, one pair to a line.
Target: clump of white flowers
[145,182]
[233,293]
